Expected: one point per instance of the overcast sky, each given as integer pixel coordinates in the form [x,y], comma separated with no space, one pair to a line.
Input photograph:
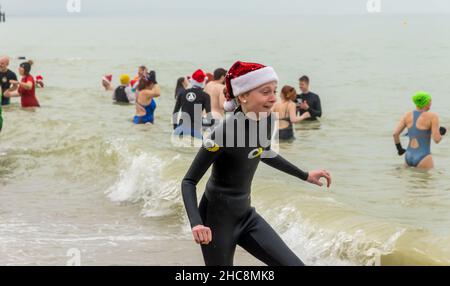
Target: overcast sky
[38,8]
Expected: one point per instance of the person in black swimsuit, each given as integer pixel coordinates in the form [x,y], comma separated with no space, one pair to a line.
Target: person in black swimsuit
[286,111]
[225,217]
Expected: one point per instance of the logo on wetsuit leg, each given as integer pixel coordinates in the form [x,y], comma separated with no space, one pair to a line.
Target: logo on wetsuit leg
[191,96]
[255,153]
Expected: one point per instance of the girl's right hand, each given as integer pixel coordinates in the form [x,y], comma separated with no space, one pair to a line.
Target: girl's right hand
[202,234]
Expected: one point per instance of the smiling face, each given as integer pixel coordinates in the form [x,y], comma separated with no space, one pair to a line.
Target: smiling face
[259,100]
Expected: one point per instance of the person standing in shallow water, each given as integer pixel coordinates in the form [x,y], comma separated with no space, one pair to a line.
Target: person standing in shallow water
[145,103]
[192,102]
[123,93]
[181,86]
[225,217]
[309,106]
[215,90]
[26,88]
[286,112]
[422,126]
[6,75]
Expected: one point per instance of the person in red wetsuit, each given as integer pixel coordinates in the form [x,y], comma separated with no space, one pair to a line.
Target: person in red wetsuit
[26,88]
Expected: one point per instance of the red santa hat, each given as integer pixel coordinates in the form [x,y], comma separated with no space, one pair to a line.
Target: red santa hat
[107,78]
[39,81]
[198,78]
[243,77]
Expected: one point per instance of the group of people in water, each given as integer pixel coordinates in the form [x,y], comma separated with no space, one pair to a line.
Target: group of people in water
[200,101]
[12,87]
[240,108]
[140,91]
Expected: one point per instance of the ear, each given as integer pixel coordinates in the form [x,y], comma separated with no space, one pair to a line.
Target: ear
[243,97]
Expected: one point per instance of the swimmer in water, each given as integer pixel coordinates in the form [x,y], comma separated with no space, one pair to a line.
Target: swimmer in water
[145,103]
[107,82]
[225,217]
[142,71]
[182,85]
[287,113]
[123,93]
[6,75]
[191,103]
[309,106]
[215,90]
[26,88]
[422,126]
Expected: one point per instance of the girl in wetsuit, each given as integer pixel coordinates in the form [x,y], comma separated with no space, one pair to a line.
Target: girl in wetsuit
[225,217]
[286,111]
[145,104]
[422,126]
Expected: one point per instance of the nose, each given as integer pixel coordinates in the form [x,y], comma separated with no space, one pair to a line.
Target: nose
[272,97]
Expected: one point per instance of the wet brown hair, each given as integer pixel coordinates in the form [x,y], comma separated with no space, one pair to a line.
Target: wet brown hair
[288,92]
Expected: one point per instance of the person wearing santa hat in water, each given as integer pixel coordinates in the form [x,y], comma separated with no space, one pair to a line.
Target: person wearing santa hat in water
[225,217]
[192,102]
[40,81]
[107,82]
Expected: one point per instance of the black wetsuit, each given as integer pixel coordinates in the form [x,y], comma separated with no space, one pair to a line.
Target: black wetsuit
[313,100]
[5,77]
[120,94]
[225,206]
[188,101]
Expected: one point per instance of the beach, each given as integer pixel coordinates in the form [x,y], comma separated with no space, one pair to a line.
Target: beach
[77,174]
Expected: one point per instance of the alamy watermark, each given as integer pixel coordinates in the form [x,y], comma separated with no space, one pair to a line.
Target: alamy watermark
[235,130]
[75,257]
[73,6]
[373,6]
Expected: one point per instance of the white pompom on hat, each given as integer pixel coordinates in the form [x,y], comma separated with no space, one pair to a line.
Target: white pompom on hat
[243,77]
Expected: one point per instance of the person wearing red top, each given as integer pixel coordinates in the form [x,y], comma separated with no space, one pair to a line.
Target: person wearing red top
[26,88]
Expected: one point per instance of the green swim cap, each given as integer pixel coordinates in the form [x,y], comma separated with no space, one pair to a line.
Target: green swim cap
[421,99]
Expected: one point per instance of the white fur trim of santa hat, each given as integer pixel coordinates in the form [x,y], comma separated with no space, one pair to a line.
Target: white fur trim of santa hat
[252,80]
[196,83]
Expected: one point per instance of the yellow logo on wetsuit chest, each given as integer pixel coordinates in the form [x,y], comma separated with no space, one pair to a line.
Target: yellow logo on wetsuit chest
[255,153]
[215,148]
[211,146]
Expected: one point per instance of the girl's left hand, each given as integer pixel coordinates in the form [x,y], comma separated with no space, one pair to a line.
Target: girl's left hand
[315,176]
